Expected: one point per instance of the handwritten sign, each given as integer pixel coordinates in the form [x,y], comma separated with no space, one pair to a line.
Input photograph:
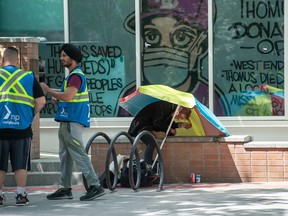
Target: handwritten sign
[104,68]
[249,56]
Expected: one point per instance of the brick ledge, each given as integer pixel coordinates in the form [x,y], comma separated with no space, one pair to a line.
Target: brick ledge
[197,139]
[266,144]
[20,39]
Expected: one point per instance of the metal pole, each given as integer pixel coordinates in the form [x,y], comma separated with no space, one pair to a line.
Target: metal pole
[167,132]
[138,42]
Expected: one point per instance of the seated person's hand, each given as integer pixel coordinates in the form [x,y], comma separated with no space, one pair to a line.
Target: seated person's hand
[185,125]
[172,132]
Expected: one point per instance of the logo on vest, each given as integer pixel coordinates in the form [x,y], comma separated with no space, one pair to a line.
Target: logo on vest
[9,118]
[64,113]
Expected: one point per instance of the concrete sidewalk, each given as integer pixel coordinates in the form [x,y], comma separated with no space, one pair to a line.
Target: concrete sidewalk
[187,199]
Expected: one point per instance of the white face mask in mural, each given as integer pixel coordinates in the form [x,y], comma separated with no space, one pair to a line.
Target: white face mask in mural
[163,65]
[174,40]
[170,49]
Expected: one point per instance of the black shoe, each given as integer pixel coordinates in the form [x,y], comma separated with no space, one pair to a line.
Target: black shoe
[92,193]
[21,200]
[2,198]
[61,193]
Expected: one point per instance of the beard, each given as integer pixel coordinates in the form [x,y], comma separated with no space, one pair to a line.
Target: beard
[66,64]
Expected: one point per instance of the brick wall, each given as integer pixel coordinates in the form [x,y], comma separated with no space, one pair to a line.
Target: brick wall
[28,48]
[216,162]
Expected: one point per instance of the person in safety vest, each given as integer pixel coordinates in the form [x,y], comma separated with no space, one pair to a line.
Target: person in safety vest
[73,113]
[21,97]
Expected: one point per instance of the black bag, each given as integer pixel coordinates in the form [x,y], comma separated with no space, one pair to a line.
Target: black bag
[124,178]
[103,180]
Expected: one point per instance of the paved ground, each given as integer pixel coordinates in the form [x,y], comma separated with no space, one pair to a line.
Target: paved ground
[197,199]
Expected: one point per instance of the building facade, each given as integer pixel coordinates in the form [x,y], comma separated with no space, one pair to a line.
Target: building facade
[228,53]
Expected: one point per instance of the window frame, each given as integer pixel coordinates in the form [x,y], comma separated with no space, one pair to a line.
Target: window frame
[210,59]
[261,127]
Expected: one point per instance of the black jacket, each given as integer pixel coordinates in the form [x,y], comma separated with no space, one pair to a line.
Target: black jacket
[154,117]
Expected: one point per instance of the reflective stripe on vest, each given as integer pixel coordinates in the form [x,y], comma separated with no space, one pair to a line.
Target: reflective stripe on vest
[12,81]
[79,97]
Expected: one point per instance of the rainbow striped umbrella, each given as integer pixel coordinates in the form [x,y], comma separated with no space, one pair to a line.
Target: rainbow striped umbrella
[204,122]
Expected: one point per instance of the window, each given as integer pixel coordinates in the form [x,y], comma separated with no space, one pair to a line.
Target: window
[174,45]
[249,58]
[97,27]
[37,18]
[247,49]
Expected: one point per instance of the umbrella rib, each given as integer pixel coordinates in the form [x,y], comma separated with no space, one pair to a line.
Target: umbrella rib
[167,132]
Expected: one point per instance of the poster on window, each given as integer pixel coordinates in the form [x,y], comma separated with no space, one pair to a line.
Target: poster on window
[249,57]
[104,69]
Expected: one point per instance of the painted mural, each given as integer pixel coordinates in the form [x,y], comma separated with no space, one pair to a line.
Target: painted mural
[174,44]
[248,52]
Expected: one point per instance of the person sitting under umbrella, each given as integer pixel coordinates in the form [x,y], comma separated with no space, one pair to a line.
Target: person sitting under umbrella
[156,118]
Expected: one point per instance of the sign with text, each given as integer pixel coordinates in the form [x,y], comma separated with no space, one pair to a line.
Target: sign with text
[249,56]
[104,68]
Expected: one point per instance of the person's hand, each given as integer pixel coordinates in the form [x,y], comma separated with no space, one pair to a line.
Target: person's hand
[54,100]
[44,87]
[186,125]
[172,131]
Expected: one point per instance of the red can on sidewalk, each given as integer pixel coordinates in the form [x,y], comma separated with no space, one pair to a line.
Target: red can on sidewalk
[192,178]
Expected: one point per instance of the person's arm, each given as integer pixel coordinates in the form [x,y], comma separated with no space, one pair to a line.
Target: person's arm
[39,97]
[73,85]
[63,96]
[39,104]
[174,125]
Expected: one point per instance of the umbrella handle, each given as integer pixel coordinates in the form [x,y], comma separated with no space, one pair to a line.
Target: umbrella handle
[167,132]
